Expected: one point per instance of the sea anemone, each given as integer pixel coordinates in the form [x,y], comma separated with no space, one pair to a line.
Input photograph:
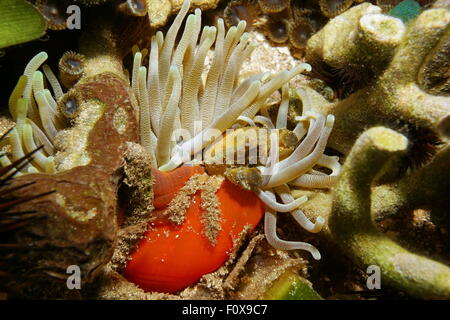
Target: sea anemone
[38,120]
[175,96]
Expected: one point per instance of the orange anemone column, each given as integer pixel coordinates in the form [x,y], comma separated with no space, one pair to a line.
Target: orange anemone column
[169,258]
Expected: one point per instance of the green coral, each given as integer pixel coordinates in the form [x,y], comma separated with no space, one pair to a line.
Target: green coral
[404,99]
[404,66]
[351,220]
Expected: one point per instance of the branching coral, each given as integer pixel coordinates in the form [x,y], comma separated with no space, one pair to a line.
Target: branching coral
[423,188]
[391,57]
[373,183]
[351,225]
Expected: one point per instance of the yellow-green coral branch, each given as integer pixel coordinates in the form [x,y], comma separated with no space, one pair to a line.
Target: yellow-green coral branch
[351,224]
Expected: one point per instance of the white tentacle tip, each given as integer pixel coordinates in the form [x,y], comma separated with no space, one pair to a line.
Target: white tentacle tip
[330,120]
[190,20]
[318,225]
[301,200]
[316,254]
[210,32]
[42,55]
[305,67]
[245,37]
[242,24]
[142,70]
[166,167]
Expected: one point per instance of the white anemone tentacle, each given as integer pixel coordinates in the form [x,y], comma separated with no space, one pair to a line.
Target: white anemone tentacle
[319,179]
[285,194]
[266,197]
[270,231]
[284,175]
